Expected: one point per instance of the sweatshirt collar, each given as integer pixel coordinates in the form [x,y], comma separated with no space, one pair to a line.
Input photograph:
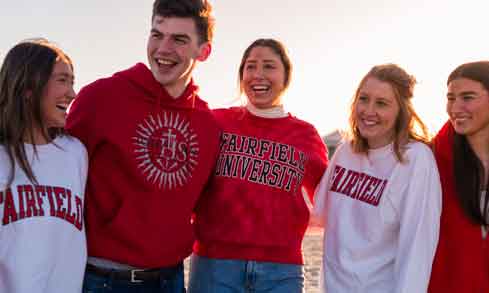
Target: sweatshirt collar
[270,113]
[142,77]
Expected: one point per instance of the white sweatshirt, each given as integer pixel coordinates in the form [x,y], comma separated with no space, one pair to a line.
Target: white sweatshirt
[42,236]
[381,220]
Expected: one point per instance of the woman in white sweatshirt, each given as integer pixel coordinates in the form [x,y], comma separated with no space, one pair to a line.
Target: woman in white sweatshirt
[42,174]
[380,198]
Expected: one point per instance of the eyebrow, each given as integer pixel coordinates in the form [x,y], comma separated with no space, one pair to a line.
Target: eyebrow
[463,93]
[383,99]
[178,35]
[185,36]
[375,98]
[468,93]
[265,61]
[63,74]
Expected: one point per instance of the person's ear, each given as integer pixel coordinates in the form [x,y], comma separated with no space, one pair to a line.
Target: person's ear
[204,51]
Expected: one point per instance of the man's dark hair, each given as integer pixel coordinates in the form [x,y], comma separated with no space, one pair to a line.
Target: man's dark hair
[198,10]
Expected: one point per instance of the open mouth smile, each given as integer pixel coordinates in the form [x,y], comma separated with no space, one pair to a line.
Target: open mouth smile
[260,89]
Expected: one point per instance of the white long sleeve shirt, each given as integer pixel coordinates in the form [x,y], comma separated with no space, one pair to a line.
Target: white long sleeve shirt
[42,236]
[381,220]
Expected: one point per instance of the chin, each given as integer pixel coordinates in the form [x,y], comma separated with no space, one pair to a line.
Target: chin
[463,131]
[160,79]
[459,129]
[57,124]
[366,134]
[260,106]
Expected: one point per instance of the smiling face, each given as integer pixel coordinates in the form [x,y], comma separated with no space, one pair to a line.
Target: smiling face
[468,107]
[173,49]
[57,95]
[263,78]
[376,111]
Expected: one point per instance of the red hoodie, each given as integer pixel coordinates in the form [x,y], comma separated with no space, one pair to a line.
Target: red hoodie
[461,262]
[150,157]
[254,208]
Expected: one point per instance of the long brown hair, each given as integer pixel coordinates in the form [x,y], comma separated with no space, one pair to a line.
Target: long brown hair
[468,168]
[24,74]
[408,125]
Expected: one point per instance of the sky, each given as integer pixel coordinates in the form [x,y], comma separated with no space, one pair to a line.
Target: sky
[332,44]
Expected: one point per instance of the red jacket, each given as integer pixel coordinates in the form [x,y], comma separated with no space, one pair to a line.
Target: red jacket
[461,262]
[150,156]
[254,208]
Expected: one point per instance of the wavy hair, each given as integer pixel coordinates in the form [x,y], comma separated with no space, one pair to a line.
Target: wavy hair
[408,125]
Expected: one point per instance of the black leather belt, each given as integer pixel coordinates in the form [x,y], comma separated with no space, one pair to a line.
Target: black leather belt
[136,276]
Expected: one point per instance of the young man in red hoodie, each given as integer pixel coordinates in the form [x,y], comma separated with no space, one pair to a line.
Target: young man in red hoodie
[152,143]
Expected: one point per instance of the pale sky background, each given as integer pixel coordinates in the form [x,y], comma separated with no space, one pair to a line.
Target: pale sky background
[332,44]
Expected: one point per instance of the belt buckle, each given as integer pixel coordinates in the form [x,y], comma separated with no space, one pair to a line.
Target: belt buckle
[133,276]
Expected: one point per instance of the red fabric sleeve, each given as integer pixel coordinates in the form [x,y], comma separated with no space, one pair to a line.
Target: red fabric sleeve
[82,121]
[317,164]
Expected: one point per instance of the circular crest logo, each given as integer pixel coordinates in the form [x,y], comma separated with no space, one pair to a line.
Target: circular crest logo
[166,149]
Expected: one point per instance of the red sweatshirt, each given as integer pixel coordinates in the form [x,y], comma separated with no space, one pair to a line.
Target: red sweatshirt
[254,208]
[462,259]
[150,157]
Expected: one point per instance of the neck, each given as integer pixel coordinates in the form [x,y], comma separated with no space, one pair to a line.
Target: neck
[272,112]
[176,89]
[37,138]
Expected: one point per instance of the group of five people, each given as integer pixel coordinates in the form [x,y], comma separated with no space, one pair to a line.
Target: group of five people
[142,173]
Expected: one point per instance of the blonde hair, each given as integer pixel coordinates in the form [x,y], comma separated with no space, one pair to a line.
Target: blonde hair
[408,126]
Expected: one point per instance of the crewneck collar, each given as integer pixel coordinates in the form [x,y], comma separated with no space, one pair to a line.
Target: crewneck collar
[272,112]
[381,152]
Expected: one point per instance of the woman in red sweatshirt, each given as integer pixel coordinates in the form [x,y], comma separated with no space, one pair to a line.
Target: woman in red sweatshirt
[251,222]
[462,153]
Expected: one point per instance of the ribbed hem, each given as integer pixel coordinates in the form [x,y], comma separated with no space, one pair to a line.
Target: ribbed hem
[286,255]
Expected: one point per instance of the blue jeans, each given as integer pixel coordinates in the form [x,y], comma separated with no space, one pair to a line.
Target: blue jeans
[210,275]
[94,283]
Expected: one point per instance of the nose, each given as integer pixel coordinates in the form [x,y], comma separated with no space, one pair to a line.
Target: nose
[369,108]
[71,93]
[258,73]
